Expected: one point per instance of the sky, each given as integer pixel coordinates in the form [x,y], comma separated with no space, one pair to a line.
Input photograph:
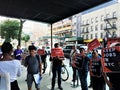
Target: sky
[100,6]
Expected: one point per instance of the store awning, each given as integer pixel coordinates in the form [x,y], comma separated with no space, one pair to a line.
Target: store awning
[74,39]
[47,37]
[48,11]
[89,40]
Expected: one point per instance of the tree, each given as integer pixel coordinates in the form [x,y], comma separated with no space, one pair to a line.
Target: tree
[10,29]
[20,31]
[26,38]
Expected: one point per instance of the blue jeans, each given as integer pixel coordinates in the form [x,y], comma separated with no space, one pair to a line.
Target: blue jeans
[83,79]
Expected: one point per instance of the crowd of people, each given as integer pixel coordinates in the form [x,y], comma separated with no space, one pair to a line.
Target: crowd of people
[81,61]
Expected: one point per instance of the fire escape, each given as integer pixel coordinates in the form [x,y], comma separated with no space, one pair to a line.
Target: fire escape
[110,25]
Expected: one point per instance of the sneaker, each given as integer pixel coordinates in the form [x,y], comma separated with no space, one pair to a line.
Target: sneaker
[60,88]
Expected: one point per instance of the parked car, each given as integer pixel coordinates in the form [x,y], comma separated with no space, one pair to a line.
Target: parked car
[67,49]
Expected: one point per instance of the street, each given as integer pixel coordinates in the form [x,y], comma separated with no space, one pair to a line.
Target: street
[46,79]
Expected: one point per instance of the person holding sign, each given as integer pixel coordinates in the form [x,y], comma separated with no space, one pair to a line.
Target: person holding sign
[57,57]
[111,66]
[97,78]
[81,62]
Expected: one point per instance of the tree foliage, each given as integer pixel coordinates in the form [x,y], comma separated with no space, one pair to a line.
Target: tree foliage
[10,30]
[25,37]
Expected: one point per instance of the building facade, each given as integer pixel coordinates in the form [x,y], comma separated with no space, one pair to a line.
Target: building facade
[103,22]
[97,23]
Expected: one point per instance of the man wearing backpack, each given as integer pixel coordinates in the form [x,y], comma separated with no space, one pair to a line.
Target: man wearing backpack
[34,66]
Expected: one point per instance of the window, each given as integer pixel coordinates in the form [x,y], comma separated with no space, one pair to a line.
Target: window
[86,36]
[96,27]
[102,18]
[83,36]
[91,36]
[82,22]
[101,35]
[114,24]
[87,22]
[114,14]
[86,29]
[108,25]
[96,36]
[101,27]
[107,15]
[91,20]
[91,28]
[83,30]
[96,19]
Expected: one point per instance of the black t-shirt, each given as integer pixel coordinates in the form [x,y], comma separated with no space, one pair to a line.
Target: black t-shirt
[57,62]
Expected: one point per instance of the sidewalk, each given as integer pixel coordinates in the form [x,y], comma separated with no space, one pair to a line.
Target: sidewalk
[45,83]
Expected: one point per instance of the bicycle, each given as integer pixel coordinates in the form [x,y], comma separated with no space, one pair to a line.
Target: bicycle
[64,73]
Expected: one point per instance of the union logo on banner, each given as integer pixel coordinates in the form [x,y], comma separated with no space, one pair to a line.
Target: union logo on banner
[93,44]
[57,52]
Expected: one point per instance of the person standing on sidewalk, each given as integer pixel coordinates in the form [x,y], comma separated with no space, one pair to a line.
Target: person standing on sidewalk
[34,66]
[81,62]
[98,82]
[10,65]
[18,54]
[43,57]
[72,54]
[56,69]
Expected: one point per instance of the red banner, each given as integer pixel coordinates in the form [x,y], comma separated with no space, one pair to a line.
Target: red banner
[41,52]
[57,52]
[93,44]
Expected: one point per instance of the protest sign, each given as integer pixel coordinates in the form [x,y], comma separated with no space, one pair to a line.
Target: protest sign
[41,52]
[57,52]
[112,40]
[93,44]
[111,59]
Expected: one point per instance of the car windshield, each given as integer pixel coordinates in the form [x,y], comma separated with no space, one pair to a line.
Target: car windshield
[69,47]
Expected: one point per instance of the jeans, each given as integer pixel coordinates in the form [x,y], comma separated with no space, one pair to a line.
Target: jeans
[56,70]
[83,79]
